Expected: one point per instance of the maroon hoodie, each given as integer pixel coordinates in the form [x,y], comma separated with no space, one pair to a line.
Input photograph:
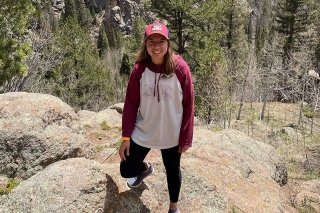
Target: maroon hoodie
[159,110]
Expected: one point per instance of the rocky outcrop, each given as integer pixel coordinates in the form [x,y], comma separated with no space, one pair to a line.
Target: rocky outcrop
[108,118]
[72,185]
[219,175]
[103,128]
[35,131]
[121,14]
[43,140]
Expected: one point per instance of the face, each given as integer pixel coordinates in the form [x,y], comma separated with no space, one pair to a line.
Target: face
[157,47]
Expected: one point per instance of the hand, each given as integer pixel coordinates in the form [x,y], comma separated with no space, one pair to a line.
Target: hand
[183,149]
[124,150]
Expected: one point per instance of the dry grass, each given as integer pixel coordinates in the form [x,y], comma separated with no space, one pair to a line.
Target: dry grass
[281,129]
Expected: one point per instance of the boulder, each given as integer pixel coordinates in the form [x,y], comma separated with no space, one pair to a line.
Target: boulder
[84,116]
[223,172]
[33,111]
[108,118]
[72,185]
[248,174]
[35,131]
[101,128]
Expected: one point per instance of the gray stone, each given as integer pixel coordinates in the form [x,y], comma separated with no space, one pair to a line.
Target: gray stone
[72,185]
[35,131]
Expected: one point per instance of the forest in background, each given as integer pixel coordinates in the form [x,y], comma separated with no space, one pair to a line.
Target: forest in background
[239,52]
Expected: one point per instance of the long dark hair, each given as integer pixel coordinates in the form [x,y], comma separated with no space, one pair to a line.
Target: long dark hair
[168,61]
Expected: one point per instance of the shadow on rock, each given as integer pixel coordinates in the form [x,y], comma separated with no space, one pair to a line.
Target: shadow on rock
[127,201]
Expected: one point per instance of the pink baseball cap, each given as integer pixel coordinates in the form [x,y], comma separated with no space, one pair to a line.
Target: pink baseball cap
[156,28]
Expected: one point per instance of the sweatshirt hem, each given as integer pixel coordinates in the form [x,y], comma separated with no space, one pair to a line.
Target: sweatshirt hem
[153,147]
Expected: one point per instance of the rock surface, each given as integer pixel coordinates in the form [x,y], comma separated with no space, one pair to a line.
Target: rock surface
[72,185]
[309,195]
[219,175]
[121,14]
[103,128]
[35,131]
[224,171]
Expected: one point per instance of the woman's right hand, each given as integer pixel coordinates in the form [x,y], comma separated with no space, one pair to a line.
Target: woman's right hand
[124,150]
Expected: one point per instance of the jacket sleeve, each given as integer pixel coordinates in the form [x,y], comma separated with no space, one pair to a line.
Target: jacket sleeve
[186,131]
[132,102]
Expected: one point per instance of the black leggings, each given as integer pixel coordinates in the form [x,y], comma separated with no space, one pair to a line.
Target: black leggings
[134,165]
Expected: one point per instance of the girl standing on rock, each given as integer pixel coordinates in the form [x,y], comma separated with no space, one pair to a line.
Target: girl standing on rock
[158,112]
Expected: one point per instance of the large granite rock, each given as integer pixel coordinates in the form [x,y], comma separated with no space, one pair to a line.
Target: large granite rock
[72,185]
[219,175]
[41,139]
[35,131]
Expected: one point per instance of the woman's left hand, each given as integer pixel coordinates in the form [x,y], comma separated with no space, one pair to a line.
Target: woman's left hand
[183,149]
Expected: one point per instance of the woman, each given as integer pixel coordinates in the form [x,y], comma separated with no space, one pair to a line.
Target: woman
[158,112]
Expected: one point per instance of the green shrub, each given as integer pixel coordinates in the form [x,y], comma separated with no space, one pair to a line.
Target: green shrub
[12,183]
[104,126]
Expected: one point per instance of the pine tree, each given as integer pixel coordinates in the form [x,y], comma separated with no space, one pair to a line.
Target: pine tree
[69,10]
[125,65]
[292,19]
[83,13]
[178,15]
[76,76]
[138,29]
[14,20]
[102,42]
[315,16]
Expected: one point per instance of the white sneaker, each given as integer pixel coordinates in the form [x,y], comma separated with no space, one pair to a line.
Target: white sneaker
[135,182]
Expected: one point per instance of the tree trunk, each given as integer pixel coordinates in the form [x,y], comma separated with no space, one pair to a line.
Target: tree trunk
[263,110]
[240,109]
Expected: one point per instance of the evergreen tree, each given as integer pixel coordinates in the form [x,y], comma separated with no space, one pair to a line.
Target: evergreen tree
[102,42]
[315,16]
[92,5]
[69,9]
[178,15]
[14,20]
[125,65]
[83,13]
[265,28]
[114,38]
[138,29]
[292,19]
[78,79]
